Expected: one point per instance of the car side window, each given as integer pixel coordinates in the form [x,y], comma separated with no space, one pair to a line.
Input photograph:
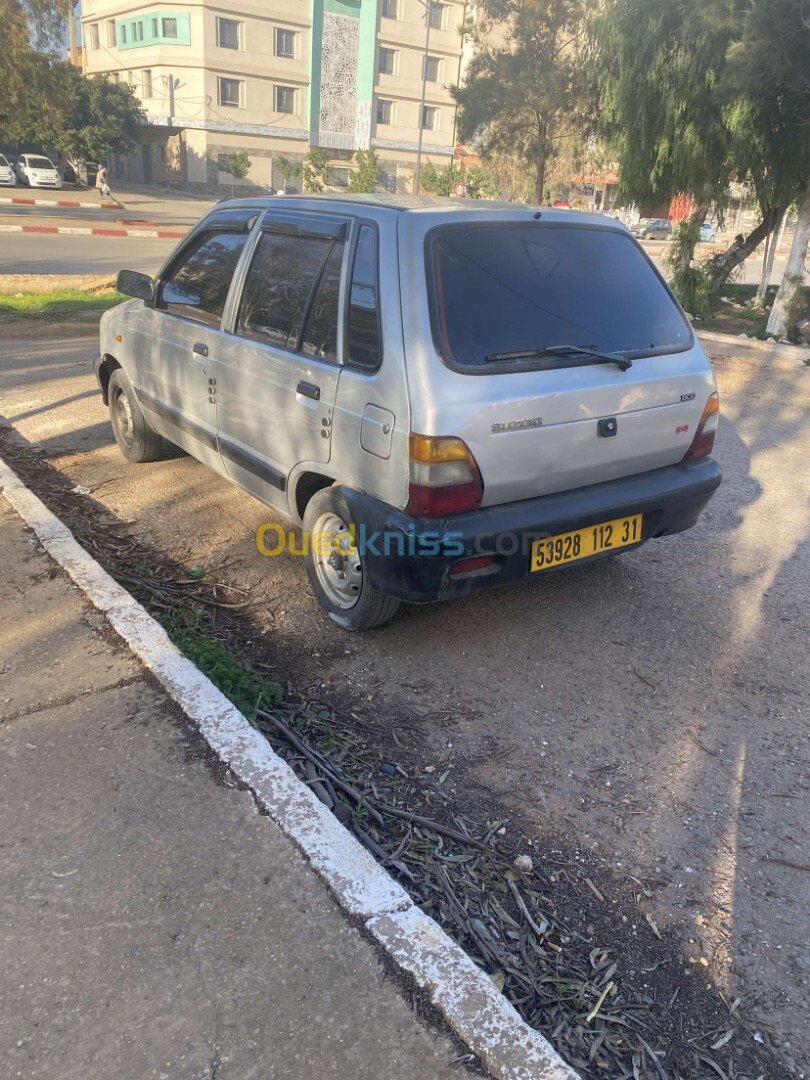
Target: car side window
[364,337]
[278,286]
[320,332]
[197,287]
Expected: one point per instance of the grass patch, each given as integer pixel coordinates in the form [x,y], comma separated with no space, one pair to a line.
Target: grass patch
[728,319]
[247,690]
[61,302]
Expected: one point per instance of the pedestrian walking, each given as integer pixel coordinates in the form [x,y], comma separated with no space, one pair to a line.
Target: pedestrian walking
[102,182]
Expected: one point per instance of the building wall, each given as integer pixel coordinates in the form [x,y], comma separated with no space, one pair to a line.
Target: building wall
[254,99]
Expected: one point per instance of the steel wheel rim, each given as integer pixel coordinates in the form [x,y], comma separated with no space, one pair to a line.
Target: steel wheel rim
[337,564]
[123,418]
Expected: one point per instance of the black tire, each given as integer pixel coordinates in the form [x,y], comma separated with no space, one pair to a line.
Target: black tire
[136,440]
[340,581]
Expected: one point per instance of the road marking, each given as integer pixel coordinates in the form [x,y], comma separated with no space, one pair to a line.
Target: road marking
[468,999]
[69,230]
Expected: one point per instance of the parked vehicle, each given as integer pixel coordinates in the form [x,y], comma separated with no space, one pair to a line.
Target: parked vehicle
[447,397]
[707,233]
[653,229]
[91,169]
[36,170]
[6,172]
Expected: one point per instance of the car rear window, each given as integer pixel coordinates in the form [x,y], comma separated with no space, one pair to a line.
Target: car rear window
[505,288]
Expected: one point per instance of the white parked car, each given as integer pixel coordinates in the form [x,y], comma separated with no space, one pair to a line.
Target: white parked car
[36,170]
[447,397]
[6,172]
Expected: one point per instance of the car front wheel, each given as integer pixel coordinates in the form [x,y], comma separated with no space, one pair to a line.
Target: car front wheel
[337,571]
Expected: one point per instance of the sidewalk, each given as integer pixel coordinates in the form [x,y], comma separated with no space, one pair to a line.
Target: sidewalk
[152,924]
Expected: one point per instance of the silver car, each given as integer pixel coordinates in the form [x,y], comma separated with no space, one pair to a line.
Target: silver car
[6,172]
[446,395]
[36,170]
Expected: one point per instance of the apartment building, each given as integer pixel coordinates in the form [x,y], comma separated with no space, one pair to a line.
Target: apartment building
[275,78]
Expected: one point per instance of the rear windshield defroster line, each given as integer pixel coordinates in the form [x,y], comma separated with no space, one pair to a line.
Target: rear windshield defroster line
[508,288]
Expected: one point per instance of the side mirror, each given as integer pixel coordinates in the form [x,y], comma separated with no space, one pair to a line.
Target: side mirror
[133,283]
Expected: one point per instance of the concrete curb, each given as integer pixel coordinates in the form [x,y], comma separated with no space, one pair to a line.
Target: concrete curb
[74,203]
[788,352]
[68,230]
[479,1015]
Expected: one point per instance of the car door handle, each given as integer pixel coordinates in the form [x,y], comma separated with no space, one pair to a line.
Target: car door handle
[309,389]
[200,349]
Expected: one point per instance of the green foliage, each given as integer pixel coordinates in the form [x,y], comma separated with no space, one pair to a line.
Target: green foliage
[317,171]
[690,283]
[290,170]
[367,174]
[245,688]
[529,84]
[238,165]
[81,118]
[480,184]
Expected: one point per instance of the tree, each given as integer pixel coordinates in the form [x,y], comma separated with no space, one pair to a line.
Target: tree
[784,305]
[317,171]
[237,167]
[367,174]
[82,118]
[528,84]
[659,66]
[290,170]
[479,184]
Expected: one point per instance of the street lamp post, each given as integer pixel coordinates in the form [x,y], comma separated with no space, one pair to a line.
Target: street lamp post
[428,5]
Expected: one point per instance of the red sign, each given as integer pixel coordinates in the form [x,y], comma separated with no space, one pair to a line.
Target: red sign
[460,190]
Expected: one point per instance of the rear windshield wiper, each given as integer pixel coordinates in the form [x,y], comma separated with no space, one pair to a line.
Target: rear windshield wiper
[563,350]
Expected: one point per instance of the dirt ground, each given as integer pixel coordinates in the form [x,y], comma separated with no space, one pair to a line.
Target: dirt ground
[651,709]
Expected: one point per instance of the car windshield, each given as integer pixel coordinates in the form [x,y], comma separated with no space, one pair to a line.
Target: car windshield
[39,163]
[645,221]
[507,288]
[3,160]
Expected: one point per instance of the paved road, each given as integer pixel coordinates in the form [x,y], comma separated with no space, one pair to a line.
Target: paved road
[32,254]
[652,708]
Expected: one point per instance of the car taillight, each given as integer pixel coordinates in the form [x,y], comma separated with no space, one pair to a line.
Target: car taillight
[703,442]
[444,476]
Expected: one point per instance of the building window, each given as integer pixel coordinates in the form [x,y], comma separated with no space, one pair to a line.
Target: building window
[228,33]
[222,162]
[387,61]
[340,176]
[430,118]
[111,41]
[385,111]
[390,9]
[161,152]
[114,77]
[122,34]
[137,31]
[230,92]
[431,68]
[170,28]
[146,83]
[285,43]
[93,35]
[437,14]
[155,30]
[284,99]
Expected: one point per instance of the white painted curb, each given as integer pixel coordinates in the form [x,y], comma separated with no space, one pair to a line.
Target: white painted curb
[481,1017]
[799,353]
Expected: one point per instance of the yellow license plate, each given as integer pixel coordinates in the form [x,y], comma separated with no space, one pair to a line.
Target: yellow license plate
[582,543]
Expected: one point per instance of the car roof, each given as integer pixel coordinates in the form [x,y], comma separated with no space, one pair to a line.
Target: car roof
[423,206]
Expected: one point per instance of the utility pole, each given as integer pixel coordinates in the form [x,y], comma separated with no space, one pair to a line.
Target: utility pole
[172,82]
[71,33]
[429,5]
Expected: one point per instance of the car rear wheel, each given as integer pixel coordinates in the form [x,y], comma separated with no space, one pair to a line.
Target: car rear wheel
[337,571]
[136,440]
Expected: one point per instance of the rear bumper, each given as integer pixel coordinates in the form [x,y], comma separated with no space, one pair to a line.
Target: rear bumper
[411,558]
